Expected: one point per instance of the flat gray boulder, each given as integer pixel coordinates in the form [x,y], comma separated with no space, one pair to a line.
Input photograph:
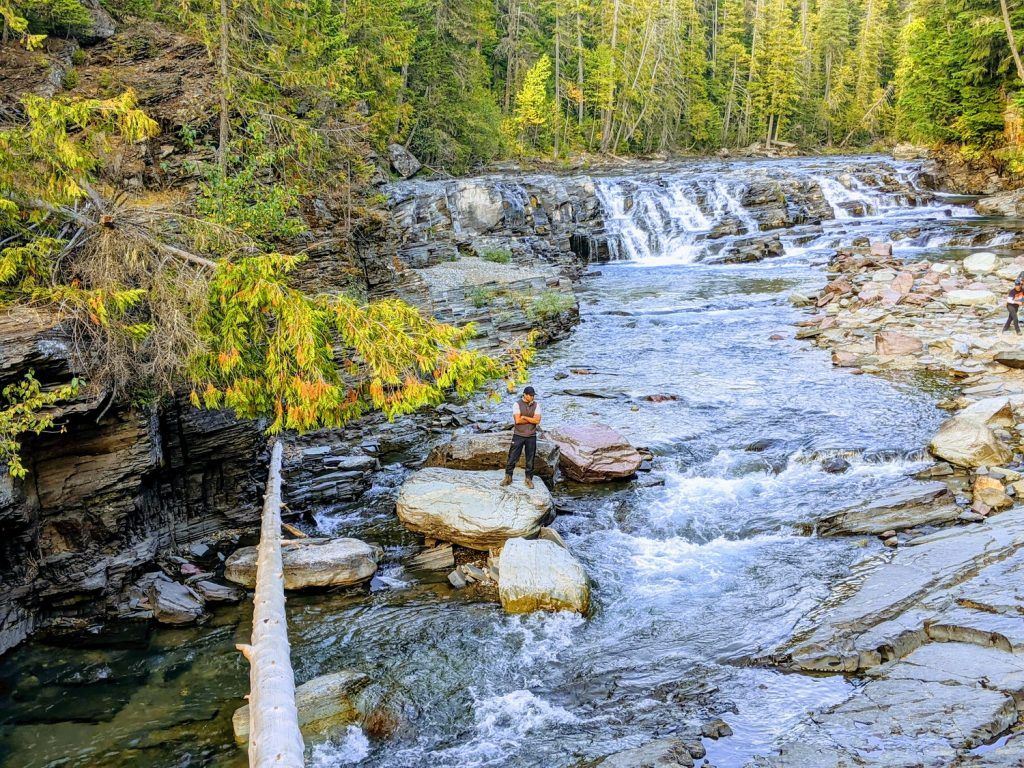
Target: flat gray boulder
[174,603]
[919,504]
[310,563]
[541,575]
[324,703]
[490,451]
[471,509]
[661,753]
[595,453]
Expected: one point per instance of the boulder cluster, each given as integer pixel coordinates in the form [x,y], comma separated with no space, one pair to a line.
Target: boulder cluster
[877,314]
[457,501]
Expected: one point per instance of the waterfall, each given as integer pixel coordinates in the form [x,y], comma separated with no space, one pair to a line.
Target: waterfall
[674,214]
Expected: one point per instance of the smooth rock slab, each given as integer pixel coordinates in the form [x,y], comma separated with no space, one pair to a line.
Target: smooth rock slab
[323,702]
[887,605]
[968,298]
[920,504]
[310,563]
[892,343]
[471,508]
[541,575]
[595,453]
[490,451]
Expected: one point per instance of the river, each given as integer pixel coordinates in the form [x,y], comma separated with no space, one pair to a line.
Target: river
[698,566]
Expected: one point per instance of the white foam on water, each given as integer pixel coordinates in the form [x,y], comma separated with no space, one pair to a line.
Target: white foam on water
[501,723]
[545,635]
[353,748]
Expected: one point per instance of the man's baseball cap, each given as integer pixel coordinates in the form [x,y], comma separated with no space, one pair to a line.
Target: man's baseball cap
[529,391]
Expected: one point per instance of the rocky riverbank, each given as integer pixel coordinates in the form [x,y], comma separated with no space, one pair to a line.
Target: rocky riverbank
[934,628]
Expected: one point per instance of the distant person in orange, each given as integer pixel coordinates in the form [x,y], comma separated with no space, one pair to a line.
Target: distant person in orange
[526,414]
[1013,301]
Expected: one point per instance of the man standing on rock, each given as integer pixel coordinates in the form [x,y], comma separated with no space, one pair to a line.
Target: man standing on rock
[526,414]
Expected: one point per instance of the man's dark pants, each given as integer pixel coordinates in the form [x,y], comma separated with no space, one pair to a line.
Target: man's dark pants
[518,444]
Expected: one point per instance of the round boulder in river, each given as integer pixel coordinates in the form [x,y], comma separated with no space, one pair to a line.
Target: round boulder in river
[540,575]
[311,563]
[471,508]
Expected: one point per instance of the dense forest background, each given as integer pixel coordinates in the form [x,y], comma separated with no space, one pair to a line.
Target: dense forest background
[462,82]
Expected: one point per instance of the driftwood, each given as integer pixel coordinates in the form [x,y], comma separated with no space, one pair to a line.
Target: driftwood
[274,737]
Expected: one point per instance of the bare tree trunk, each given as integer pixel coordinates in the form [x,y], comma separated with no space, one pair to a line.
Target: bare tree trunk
[558,79]
[511,63]
[579,63]
[274,737]
[606,122]
[1009,36]
[222,141]
[730,101]
[750,74]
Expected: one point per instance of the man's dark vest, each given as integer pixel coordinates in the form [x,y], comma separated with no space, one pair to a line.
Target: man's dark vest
[526,409]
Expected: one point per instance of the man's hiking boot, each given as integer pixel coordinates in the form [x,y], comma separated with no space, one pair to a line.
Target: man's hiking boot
[506,481]
[529,483]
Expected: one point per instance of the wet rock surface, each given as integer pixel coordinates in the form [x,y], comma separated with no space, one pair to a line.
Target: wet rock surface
[310,563]
[471,509]
[323,703]
[541,575]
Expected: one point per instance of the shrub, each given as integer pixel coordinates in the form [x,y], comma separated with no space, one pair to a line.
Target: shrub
[496,255]
[549,304]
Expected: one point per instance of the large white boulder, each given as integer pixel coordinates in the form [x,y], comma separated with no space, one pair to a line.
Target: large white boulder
[310,563]
[965,297]
[968,440]
[541,575]
[594,453]
[981,263]
[472,509]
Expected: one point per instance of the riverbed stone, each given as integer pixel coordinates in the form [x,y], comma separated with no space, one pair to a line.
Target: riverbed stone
[927,503]
[541,575]
[312,563]
[964,297]
[213,592]
[174,603]
[890,605]
[490,451]
[894,343]
[324,703]
[990,492]
[981,263]
[595,453]
[660,753]
[471,509]
[1011,358]
[968,441]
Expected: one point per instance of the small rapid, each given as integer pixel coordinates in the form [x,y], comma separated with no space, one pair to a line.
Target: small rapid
[699,566]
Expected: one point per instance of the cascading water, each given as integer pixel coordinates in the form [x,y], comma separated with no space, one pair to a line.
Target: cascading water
[696,213]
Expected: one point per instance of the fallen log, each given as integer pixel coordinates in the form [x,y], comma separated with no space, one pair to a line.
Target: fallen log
[274,737]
